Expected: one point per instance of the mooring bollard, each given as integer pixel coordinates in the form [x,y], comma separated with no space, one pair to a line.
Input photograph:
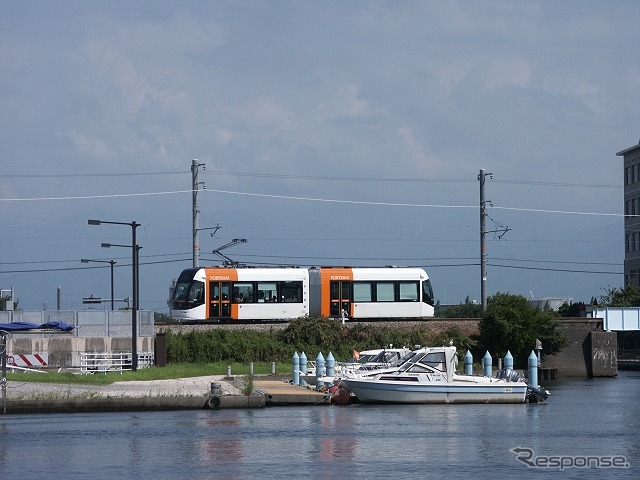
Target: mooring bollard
[295,364]
[487,363]
[468,363]
[331,365]
[533,369]
[302,366]
[508,360]
[250,368]
[273,368]
[216,389]
[319,369]
[228,371]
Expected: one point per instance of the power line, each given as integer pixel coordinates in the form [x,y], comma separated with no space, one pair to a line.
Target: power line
[87,175]
[554,269]
[66,269]
[309,177]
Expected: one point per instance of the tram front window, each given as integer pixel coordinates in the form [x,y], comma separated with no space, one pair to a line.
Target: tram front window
[188,295]
[427,292]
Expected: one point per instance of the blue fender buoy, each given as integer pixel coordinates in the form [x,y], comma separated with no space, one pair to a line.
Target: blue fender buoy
[302,367]
[508,360]
[468,363]
[487,363]
[295,363]
[533,369]
[331,365]
[319,369]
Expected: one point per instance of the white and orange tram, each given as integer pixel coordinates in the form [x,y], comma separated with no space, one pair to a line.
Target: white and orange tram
[284,293]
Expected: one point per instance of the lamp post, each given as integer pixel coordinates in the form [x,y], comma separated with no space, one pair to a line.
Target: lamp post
[134,263]
[110,262]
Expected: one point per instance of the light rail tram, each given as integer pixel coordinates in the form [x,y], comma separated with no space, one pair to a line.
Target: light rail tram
[226,294]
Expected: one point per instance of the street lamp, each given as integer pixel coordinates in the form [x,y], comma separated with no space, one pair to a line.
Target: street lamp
[110,262]
[134,310]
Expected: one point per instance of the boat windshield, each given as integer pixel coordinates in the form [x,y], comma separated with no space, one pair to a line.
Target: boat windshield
[425,362]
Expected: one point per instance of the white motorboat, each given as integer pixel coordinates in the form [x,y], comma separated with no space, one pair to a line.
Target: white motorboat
[429,377]
[367,362]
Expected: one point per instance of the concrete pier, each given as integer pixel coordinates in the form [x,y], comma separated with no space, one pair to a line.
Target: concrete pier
[212,392]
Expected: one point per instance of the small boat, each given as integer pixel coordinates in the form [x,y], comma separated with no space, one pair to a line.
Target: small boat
[368,361]
[428,376]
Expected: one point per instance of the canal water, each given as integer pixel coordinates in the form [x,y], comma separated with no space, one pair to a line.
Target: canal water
[589,428]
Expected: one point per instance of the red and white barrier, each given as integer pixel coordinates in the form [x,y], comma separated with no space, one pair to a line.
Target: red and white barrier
[36,360]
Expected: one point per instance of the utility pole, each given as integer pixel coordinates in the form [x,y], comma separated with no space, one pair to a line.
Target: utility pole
[195,210]
[483,242]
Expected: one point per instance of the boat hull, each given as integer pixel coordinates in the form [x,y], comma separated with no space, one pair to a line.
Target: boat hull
[372,391]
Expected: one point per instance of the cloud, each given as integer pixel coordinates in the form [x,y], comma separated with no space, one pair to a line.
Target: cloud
[90,146]
[419,159]
[345,102]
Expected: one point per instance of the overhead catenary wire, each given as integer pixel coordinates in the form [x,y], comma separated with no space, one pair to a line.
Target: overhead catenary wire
[308,177]
[316,199]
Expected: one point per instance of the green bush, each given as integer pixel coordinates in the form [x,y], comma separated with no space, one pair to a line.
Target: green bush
[308,335]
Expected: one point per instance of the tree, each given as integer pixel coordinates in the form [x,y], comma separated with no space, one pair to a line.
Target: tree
[511,323]
[629,296]
[573,310]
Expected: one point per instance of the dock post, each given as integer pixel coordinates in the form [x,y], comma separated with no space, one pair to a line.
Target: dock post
[331,365]
[295,363]
[319,369]
[468,363]
[487,363]
[508,360]
[302,367]
[533,369]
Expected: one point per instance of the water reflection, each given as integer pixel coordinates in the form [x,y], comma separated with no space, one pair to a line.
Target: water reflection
[598,417]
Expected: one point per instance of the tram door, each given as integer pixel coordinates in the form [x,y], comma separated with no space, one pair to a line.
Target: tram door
[340,298]
[219,299]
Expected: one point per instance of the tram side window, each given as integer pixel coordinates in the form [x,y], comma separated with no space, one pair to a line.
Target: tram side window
[267,292]
[408,291]
[243,293]
[291,292]
[385,292]
[362,292]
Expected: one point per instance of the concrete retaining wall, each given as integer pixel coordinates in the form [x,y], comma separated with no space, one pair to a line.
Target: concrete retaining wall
[64,351]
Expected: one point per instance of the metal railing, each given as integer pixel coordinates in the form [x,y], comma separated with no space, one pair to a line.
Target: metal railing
[112,362]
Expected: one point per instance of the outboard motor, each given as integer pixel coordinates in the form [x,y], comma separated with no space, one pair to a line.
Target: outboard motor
[510,375]
[534,394]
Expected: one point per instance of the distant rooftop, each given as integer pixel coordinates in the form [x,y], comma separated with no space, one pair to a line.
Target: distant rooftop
[628,150]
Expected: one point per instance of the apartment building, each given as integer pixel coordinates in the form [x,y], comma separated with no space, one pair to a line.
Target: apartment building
[631,157]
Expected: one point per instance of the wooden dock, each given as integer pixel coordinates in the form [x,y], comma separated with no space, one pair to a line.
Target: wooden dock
[281,393]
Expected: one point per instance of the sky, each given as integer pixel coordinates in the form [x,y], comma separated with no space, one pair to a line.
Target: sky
[329,133]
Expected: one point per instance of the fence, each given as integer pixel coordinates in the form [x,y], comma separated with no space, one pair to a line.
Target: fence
[102,332]
[89,323]
[112,362]
[619,318]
